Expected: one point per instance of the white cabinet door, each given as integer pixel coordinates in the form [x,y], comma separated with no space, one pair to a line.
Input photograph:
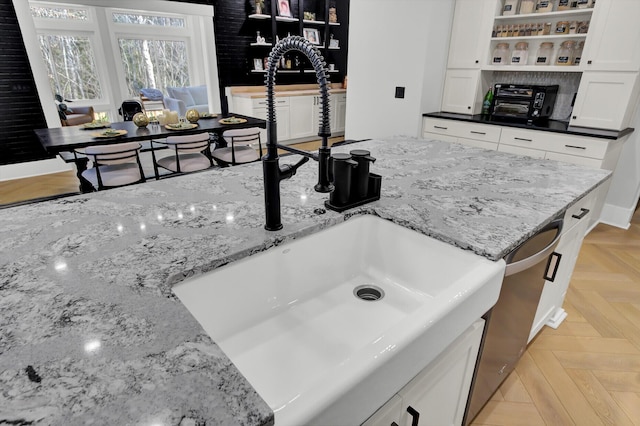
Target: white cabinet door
[340,113]
[470,33]
[462,92]
[438,394]
[605,100]
[554,292]
[613,40]
[302,113]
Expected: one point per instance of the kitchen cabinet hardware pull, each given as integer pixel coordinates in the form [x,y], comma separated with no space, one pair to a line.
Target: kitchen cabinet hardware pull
[574,117]
[583,213]
[576,146]
[414,413]
[554,263]
[477,61]
[394,424]
[440,127]
[589,62]
[523,139]
[468,107]
[477,133]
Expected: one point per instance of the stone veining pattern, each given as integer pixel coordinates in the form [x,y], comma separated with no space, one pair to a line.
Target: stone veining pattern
[91,332]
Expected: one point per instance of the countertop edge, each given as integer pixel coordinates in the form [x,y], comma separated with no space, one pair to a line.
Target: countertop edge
[568,130]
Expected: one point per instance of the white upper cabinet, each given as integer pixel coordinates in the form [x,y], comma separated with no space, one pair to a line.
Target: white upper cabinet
[613,41]
[605,100]
[470,33]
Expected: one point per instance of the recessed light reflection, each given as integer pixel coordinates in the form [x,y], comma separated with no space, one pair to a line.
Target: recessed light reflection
[60,266]
[192,209]
[214,207]
[180,215]
[120,228]
[303,198]
[160,217]
[229,217]
[92,346]
[143,226]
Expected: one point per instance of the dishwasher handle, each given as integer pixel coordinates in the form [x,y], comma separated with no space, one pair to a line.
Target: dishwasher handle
[521,265]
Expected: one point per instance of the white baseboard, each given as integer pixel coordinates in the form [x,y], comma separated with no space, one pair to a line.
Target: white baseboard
[33,168]
[617,216]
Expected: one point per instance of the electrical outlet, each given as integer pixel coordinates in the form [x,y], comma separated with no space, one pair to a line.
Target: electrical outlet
[399,92]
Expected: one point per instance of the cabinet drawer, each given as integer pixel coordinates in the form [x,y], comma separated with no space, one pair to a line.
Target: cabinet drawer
[583,210]
[462,129]
[578,146]
[262,102]
[522,138]
[439,126]
[481,132]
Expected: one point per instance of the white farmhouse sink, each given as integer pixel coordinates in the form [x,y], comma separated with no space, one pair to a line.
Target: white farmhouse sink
[315,352]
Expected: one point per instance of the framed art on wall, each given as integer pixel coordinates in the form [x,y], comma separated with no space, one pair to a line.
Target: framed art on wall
[284,9]
[312,35]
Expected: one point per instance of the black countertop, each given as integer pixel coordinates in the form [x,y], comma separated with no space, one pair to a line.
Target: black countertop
[548,126]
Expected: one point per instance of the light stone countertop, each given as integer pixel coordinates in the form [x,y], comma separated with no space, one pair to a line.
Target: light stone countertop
[91,332]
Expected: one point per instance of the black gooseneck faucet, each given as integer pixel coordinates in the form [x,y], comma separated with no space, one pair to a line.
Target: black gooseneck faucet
[272,171]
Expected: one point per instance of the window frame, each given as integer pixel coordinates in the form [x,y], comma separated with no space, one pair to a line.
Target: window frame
[88,29]
[151,32]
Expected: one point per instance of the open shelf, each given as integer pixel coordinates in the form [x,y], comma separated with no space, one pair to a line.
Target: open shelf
[286,19]
[259,16]
[261,44]
[307,21]
[542,37]
[556,14]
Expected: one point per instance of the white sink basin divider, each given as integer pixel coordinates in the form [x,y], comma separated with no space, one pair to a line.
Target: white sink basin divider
[289,320]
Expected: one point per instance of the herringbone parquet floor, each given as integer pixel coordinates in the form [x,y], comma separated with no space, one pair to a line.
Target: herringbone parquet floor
[587,372]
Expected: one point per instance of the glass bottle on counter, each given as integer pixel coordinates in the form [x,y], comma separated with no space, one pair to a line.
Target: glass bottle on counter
[486,103]
[501,54]
[520,54]
[545,53]
[565,53]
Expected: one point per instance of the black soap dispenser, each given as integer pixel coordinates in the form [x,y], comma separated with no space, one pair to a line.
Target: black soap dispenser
[360,176]
[342,175]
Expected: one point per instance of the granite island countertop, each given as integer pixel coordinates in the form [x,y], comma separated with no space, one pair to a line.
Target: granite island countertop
[92,333]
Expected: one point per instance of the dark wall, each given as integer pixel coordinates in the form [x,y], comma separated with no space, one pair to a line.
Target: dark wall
[20,110]
[235,32]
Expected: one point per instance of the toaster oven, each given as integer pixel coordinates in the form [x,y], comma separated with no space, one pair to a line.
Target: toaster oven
[523,103]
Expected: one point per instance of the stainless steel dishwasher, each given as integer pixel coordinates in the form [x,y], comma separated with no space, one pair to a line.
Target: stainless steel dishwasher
[509,322]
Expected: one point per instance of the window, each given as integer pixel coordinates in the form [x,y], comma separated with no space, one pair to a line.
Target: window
[154,49]
[66,35]
[71,66]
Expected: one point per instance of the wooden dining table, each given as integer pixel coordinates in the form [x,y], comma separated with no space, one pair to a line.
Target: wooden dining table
[64,141]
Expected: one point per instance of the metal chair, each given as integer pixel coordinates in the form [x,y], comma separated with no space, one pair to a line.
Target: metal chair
[239,149]
[113,165]
[190,153]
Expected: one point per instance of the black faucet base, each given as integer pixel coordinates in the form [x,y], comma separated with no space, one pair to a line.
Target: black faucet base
[373,194]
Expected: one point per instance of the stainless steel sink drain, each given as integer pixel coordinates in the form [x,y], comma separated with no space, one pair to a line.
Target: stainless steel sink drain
[368,292]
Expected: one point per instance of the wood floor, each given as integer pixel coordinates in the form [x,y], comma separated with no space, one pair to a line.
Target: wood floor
[587,372]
